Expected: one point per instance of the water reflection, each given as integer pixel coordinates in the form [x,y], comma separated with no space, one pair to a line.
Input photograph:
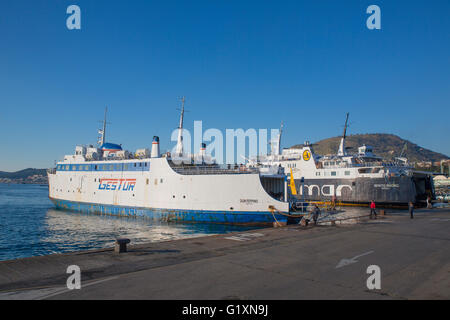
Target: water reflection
[76,231]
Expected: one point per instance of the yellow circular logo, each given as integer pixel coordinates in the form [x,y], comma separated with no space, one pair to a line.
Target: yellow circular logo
[306,155]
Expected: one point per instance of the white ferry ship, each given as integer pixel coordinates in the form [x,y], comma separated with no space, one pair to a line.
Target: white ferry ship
[109,180]
[349,178]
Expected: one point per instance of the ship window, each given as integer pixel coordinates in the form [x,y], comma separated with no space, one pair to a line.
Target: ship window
[317,173]
[347,173]
[140,164]
[96,167]
[146,181]
[145,164]
[135,164]
[333,173]
[125,166]
[161,181]
[111,167]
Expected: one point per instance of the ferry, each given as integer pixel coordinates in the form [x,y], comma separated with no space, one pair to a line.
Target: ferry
[108,180]
[349,179]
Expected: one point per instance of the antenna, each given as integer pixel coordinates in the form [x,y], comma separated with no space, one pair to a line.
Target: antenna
[102,132]
[405,147]
[183,100]
[279,138]
[341,151]
[179,149]
[344,135]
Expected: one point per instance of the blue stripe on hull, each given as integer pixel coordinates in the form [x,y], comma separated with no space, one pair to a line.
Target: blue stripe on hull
[245,218]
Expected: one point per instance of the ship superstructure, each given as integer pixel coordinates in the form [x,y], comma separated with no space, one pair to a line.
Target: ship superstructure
[109,180]
[350,178]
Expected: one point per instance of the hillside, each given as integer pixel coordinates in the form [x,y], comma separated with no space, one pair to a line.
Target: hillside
[23,174]
[384,145]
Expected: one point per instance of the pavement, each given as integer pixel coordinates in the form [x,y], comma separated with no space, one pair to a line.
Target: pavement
[293,262]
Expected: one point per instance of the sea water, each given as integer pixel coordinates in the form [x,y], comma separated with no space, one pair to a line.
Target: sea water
[31,226]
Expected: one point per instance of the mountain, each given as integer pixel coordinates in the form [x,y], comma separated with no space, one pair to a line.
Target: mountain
[385,145]
[23,174]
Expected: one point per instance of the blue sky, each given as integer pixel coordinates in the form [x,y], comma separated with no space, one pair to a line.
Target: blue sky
[241,64]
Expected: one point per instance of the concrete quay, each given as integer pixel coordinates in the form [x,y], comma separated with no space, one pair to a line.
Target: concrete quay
[293,262]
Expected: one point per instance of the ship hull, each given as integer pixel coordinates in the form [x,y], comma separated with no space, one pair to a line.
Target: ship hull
[389,191]
[173,215]
[156,191]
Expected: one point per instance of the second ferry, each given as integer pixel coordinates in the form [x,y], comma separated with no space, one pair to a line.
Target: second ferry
[352,179]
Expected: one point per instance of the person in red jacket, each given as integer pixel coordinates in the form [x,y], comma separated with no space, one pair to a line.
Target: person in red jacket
[372,210]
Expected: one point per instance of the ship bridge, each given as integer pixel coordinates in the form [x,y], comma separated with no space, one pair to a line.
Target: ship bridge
[111,147]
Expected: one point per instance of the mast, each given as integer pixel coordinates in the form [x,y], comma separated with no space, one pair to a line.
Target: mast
[179,149]
[279,139]
[341,151]
[275,143]
[102,131]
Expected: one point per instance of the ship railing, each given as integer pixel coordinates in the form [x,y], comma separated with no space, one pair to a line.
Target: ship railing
[368,164]
[198,170]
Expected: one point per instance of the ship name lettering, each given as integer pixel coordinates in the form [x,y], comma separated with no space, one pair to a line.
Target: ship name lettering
[386,185]
[249,201]
[117,184]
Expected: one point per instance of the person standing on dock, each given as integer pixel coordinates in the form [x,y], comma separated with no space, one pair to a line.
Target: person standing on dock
[333,202]
[372,210]
[316,214]
[411,209]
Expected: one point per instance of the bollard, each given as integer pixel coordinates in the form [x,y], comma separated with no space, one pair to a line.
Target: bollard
[121,245]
